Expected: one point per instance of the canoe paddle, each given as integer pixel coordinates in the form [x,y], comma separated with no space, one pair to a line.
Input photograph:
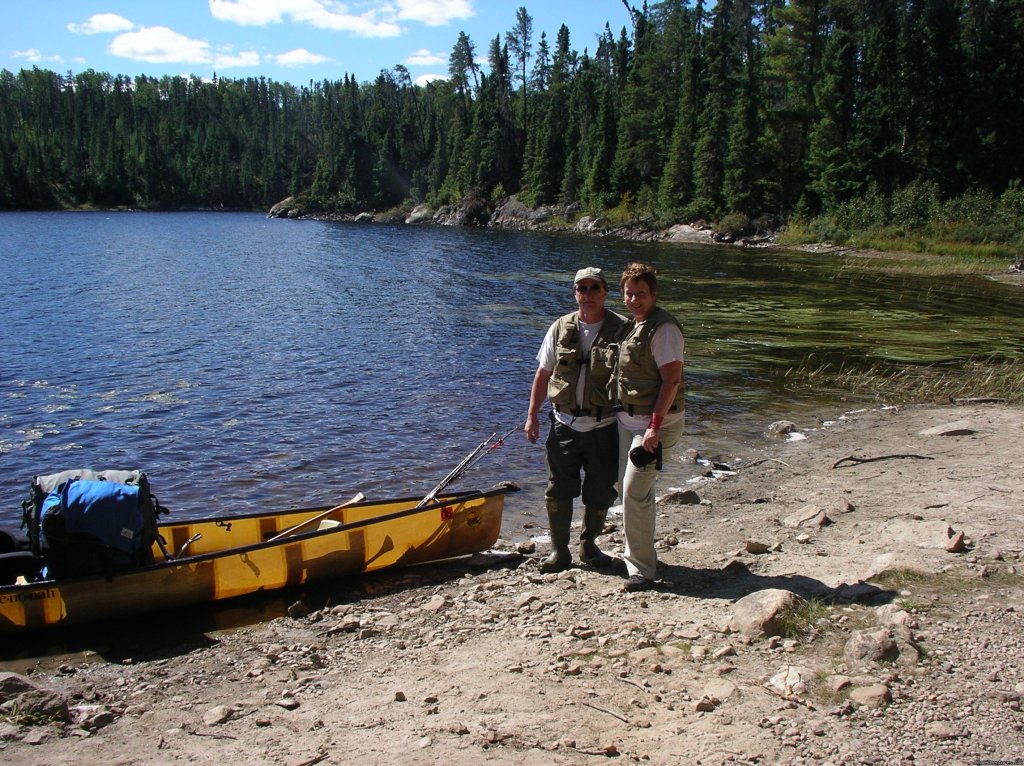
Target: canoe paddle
[356,498]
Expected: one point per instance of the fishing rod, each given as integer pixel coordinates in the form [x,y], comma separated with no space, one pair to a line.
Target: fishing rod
[485,447]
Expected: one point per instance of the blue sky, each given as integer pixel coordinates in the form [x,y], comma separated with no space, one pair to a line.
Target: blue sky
[285,40]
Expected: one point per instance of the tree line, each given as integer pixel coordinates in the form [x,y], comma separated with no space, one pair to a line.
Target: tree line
[694,110]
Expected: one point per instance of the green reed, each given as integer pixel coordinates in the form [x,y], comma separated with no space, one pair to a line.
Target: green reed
[1001,379]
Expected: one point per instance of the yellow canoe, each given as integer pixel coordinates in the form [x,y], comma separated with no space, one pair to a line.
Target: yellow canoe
[233,556]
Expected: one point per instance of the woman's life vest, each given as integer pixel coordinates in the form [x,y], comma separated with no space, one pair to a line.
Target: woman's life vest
[597,365]
[637,378]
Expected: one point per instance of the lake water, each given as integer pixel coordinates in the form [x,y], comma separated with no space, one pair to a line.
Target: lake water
[246,363]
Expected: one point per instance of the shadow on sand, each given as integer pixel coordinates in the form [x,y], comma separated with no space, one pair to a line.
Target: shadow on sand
[736,580]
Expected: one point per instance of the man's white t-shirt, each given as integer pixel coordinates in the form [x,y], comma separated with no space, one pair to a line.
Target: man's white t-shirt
[546,359]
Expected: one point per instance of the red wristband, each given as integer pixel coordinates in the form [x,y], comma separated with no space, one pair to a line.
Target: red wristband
[656,421]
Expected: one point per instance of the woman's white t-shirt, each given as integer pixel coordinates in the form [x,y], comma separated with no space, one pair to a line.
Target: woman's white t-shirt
[668,346]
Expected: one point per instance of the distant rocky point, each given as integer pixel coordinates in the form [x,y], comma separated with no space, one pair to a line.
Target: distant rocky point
[511,213]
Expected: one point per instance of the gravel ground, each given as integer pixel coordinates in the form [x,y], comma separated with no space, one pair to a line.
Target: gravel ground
[899,530]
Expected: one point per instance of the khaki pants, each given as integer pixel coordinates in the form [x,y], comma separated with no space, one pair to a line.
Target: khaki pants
[638,495]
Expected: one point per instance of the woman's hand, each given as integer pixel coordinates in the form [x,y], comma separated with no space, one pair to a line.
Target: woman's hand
[652,437]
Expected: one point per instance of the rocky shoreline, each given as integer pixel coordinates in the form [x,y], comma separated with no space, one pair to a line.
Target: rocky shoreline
[514,215]
[854,597]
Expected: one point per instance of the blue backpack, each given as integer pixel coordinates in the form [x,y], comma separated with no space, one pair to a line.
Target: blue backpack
[86,522]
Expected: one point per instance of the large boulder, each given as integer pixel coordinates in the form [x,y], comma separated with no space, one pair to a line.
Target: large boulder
[511,214]
[420,214]
[792,680]
[869,646]
[684,232]
[762,614]
[23,698]
[289,207]
[472,211]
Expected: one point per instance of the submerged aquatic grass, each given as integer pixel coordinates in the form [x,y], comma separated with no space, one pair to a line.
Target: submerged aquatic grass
[922,255]
[914,384]
[931,258]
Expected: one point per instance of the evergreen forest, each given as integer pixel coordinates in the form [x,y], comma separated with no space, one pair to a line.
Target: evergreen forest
[762,109]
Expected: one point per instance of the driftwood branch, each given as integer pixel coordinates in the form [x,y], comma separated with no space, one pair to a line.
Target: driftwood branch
[787,697]
[766,460]
[606,710]
[196,733]
[638,685]
[854,460]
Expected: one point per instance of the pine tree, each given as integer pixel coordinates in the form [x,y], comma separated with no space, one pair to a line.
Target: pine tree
[993,42]
[714,121]
[936,118]
[876,138]
[593,107]
[676,187]
[520,44]
[638,158]
[793,49]
[461,65]
[835,175]
[740,180]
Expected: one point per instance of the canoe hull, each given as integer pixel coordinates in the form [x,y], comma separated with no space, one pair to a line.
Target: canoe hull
[235,556]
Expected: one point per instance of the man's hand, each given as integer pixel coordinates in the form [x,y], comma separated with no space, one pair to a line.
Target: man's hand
[532,427]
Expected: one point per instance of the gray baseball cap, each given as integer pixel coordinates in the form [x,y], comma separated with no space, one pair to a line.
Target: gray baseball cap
[590,272]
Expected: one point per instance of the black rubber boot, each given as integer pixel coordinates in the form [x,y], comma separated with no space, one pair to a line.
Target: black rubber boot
[559,521]
[593,525]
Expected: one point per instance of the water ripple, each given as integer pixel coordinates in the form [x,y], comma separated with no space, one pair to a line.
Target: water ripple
[243,361]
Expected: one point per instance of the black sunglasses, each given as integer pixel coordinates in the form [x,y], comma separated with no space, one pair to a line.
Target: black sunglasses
[581,289]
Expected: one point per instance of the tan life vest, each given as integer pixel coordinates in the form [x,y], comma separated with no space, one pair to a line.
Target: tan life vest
[570,363]
[637,378]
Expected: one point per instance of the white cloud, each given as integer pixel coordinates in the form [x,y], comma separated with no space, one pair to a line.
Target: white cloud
[101,23]
[31,55]
[423,79]
[248,13]
[335,17]
[434,13]
[300,57]
[160,45]
[35,56]
[324,14]
[243,59]
[423,57]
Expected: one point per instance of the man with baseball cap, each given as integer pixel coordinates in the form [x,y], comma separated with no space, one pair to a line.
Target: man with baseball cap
[574,367]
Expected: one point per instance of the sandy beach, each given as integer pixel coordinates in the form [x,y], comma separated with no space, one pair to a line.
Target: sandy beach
[898,529]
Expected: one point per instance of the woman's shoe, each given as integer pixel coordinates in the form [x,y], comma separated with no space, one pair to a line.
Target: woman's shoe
[636,583]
